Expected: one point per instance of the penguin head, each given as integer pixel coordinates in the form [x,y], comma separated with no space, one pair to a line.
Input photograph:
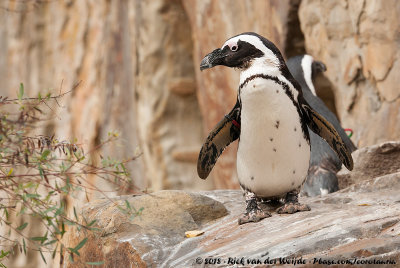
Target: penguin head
[317,67]
[244,50]
[304,69]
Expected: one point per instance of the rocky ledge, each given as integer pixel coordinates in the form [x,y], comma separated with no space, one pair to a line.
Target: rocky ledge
[360,223]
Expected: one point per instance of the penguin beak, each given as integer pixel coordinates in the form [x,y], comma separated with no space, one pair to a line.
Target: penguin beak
[318,67]
[212,59]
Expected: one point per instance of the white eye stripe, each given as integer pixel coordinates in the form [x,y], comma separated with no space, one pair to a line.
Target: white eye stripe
[255,41]
[306,64]
[234,48]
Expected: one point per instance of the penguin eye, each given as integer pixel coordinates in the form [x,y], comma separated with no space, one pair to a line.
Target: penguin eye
[234,48]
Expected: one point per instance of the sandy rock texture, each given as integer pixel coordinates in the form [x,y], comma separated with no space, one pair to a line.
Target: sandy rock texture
[168,118]
[135,61]
[359,43]
[138,63]
[361,221]
[165,217]
[50,46]
[371,162]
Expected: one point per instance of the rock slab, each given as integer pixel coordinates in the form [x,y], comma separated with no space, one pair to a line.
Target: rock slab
[371,162]
[361,221]
[149,237]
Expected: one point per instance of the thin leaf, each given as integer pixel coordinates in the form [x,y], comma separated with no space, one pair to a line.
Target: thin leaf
[41,254]
[81,244]
[76,216]
[73,251]
[45,154]
[23,242]
[39,238]
[70,223]
[54,252]
[127,204]
[59,211]
[62,229]
[71,258]
[6,213]
[41,173]
[4,254]
[50,242]
[20,93]
[22,226]
[95,263]
[91,223]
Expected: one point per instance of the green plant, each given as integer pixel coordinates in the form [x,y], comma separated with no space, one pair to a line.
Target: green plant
[37,175]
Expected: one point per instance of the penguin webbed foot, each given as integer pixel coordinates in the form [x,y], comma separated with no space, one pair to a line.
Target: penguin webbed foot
[253,211]
[290,208]
[253,216]
[292,204]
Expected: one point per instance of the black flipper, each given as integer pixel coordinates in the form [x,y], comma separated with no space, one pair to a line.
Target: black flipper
[325,130]
[224,133]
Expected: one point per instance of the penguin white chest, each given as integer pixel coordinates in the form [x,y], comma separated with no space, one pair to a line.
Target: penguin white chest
[273,154]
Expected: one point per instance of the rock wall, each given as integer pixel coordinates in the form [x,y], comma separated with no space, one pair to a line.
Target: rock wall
[138,63]
[170,125]
[46,44]
[134,59]
[359,43]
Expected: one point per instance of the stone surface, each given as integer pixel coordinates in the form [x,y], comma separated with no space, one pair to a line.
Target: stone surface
[140,71]
[114,253]
[169,119]
[135,61]
[165,217]
[361,221]
[371,162]
[358,41]
[138,63]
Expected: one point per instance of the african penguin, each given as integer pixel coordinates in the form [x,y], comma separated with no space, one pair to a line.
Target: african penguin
[270,119]
[324,164]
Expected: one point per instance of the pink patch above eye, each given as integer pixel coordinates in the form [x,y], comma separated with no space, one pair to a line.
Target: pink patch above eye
[230,44]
